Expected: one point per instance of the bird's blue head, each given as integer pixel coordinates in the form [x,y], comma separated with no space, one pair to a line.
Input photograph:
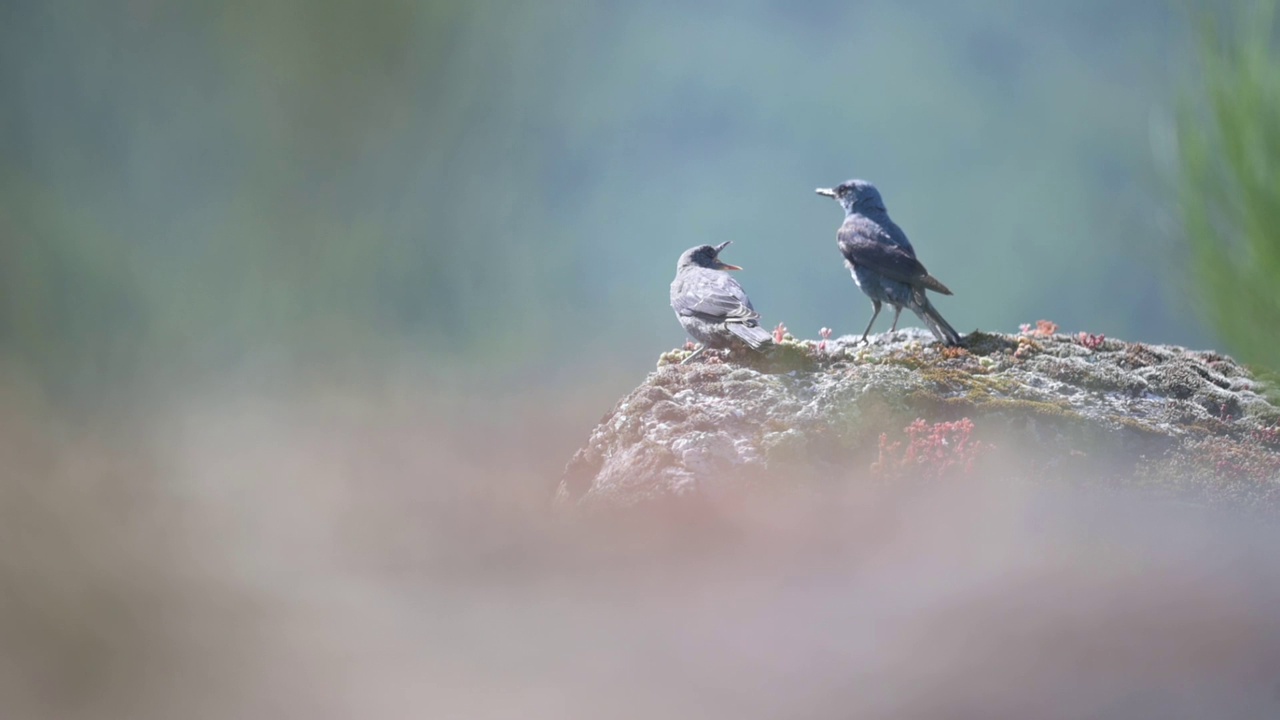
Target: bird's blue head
[855,196]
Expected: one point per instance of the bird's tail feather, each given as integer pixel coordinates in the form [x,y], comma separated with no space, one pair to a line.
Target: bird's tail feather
[935,284]
[929,314]
[753,335]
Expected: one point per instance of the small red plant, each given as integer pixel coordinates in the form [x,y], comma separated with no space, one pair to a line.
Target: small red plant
[688,345]
[1267,435]
[1091,341]
[1240,461]
[779,333]
[1043,328]
[824,333]
[932,451]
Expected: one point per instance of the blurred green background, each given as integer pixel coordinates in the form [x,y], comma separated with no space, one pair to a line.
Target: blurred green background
[196,187]
[1229,152]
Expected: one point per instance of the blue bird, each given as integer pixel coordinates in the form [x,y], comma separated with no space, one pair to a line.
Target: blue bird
[882,261]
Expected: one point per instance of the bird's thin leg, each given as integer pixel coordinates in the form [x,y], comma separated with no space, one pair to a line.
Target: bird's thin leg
[695,354]
[874,315]
[897,310]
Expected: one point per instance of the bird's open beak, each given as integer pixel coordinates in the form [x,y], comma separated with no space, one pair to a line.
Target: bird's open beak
[724,265]
[826,191]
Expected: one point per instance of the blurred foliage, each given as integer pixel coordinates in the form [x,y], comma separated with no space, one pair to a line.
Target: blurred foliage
[197,185]
[1229,137]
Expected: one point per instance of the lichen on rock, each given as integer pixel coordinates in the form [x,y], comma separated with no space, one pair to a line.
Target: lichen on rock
[1112,412]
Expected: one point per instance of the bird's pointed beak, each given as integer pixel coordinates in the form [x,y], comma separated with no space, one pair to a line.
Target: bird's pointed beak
[826,191]
[727,266]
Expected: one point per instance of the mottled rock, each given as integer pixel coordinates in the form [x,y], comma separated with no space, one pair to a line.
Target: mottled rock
[1121,414]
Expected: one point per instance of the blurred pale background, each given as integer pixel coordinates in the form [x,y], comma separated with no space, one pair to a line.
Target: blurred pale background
[305,303]
[199,186]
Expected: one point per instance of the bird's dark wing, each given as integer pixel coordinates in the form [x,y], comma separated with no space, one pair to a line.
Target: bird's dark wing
[895,262]
[712,295]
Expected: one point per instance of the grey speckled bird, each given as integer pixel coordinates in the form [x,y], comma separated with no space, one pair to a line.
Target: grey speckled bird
[711,306]
[882,261]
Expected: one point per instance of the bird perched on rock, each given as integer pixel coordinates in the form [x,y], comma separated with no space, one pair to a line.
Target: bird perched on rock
[882,261]
[711,305]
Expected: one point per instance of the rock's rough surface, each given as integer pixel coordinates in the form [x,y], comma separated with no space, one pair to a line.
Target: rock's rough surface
[1190,424]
